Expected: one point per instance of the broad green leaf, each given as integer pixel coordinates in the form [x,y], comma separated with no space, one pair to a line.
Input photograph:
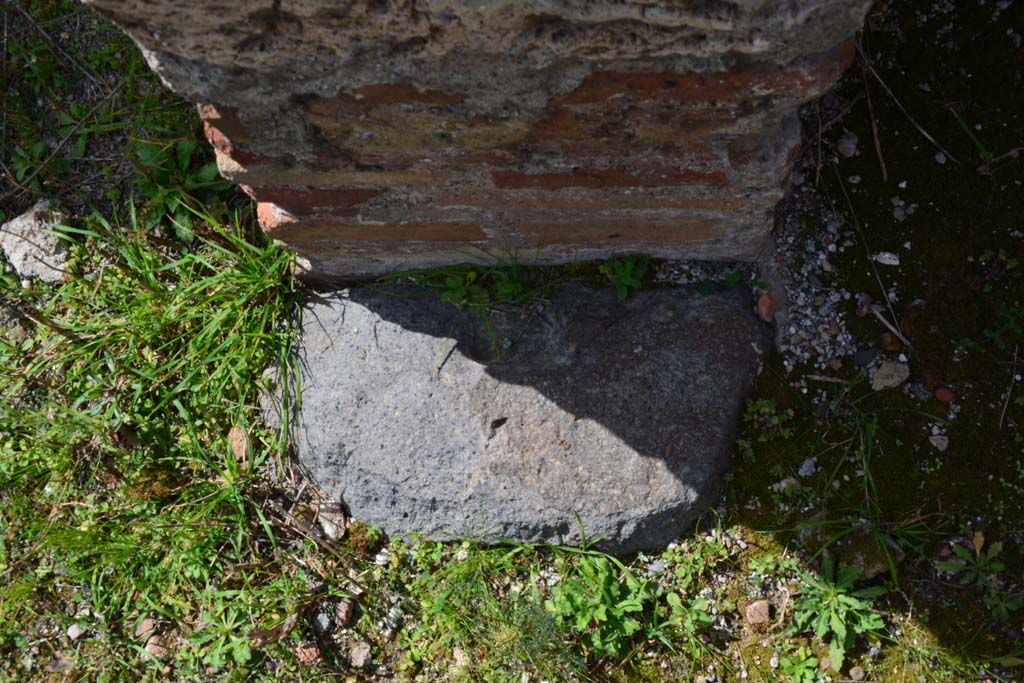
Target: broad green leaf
[838,627]
[836,654]
[949,566]
[962,552]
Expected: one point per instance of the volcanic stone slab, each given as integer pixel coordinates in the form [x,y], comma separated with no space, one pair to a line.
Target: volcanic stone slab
[422,421]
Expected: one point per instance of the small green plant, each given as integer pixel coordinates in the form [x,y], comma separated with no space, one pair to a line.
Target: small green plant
[989,158]
[732,278]
[801,666]
[763,566]
[69,112]
[831,606]
[691,617]
[763,418]
[976,569]
[693,560]
[460,603]
[997,263]
[1007,326]
[480,288]
[466,290]
[601,600]
[171,177]
[981,570]
[223,639]
[25,159]
[1010,321]
[627,274]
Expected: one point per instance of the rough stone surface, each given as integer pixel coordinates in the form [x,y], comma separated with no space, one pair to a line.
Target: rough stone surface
[360,655]
[889,375]
[380,134]
[156,646]
[622,413]
[31,247]
[757,615]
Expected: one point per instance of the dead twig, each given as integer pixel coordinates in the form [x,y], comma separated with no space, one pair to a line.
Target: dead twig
[782,610]
[64,140]
[871,261]
[842,112]
[874,122]
[298,496]
[817,168]
[3,124]
[892,328]
[833,380]
[36,316]
[824,127]
[11,179]
[1009,389]
[309,532]
[922,131]
[59,51]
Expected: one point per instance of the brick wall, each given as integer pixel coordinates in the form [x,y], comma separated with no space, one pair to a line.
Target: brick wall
[381,135]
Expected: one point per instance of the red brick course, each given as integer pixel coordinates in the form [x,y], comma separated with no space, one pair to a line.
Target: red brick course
[549,129]
[602,199]
[607,178]
[686,229]
[336,231]
[623,160]
[602,86]
[306,200]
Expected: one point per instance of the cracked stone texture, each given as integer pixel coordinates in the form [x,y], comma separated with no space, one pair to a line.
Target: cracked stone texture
[198,47]
[623,413]
[383,134]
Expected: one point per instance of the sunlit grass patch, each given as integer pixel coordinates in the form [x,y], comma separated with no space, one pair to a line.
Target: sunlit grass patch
[118,397]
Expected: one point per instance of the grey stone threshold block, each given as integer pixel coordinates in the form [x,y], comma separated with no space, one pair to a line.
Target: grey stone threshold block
[619,415]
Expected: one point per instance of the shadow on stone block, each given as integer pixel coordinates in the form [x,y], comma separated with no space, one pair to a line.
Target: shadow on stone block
[422,420]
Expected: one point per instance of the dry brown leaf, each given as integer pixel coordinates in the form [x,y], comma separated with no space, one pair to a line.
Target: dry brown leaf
[263,636]
[979,542]
[766,307]
[240,445]
[343,612]
[307,652]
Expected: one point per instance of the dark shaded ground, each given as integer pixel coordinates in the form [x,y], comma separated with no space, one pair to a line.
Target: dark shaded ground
[937,100]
